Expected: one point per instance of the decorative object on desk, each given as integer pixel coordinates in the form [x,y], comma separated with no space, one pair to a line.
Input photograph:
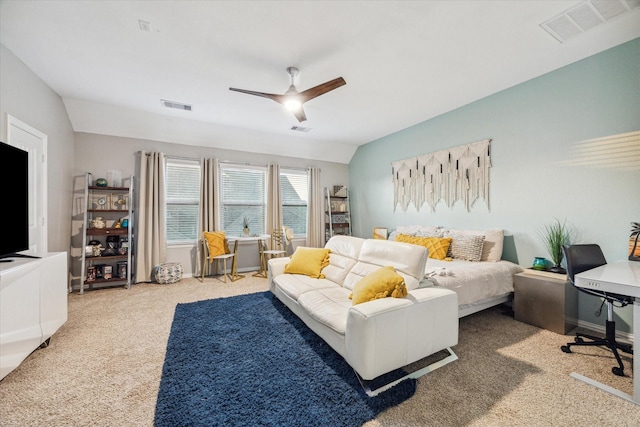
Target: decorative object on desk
[101,182]
[634,248]
[555,236]
[539,263]
[98,222]
[380,233]
[245,225]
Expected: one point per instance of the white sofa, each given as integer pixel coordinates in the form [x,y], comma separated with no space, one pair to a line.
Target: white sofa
[378,336]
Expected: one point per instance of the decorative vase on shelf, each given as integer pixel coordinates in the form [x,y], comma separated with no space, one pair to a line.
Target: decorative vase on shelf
[539,263]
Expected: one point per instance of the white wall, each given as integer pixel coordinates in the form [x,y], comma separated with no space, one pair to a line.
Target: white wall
[26,97]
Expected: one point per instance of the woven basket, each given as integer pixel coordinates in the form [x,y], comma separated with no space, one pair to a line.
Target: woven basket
[170,272]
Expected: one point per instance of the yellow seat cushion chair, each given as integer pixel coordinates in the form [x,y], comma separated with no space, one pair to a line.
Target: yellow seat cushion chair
[216,248]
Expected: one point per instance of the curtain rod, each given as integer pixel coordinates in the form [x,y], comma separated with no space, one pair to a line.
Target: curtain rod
[228,162]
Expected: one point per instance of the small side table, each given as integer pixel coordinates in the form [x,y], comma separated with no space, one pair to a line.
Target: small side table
[547,300]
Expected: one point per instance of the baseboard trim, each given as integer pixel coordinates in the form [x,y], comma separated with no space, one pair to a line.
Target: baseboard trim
[601,330]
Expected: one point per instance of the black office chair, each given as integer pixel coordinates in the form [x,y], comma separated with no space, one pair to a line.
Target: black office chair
[582,258]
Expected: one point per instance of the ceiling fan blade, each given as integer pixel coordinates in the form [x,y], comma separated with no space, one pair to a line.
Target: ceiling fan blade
[316,91]
[278,98]
[299,113]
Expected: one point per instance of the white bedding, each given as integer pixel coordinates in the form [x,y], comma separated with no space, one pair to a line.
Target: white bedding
[474,282]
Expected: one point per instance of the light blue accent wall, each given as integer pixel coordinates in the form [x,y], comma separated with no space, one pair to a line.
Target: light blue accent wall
[538,131]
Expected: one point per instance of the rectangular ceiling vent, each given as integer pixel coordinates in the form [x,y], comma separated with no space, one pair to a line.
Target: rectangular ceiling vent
[300,129]
[176,105]
[585,16]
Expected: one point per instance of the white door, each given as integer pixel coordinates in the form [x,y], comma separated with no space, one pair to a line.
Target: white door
[25,137]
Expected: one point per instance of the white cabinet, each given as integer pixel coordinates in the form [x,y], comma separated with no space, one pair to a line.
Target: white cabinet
[33,305]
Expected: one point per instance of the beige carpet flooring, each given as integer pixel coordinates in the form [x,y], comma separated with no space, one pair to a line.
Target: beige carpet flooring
[103,368]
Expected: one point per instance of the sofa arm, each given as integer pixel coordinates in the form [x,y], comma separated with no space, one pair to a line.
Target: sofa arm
[389,333]
[275,267]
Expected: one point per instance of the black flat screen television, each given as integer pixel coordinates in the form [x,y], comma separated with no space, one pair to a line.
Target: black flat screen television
[14,214]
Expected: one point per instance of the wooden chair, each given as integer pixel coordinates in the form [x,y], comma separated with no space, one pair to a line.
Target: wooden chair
[207,260]
[279,245]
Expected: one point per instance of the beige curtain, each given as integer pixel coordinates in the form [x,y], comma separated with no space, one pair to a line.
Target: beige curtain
[274,199]
[150,244]
[315,210]
[209,196]
[209,202]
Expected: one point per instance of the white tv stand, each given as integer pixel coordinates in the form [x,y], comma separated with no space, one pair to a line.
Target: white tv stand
[33,305]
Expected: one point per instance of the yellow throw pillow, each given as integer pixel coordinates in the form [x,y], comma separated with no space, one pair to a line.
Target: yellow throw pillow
[438,246]
[217,242]
[308,261]
[382,283]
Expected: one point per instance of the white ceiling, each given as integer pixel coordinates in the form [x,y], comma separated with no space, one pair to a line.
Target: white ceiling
[404,62]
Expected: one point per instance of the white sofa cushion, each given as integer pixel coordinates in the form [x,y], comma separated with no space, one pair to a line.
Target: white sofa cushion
[343,256]
[328,306]
[408,261]
[294,285]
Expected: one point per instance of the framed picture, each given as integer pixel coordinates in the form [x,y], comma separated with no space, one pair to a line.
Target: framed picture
[380,233]
[100,201]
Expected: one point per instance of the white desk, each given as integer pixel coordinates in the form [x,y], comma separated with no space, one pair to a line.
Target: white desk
[237,239]
[623,278]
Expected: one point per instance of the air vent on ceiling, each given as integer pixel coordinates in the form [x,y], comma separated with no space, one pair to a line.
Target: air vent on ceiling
[144,26]
[300,129]
[585,16]
[176,105]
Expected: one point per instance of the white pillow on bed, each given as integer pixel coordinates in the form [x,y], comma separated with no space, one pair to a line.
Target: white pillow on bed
[416,230]
[493,242]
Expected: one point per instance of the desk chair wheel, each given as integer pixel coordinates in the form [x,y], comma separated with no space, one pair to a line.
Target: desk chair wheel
[565,349]
[617,371]
[578,339]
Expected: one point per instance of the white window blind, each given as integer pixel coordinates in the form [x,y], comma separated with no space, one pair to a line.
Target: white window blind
[182,199]
[294,191]
[244,195]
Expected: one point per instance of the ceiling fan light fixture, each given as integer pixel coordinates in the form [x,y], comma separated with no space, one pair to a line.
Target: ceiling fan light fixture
[293,104]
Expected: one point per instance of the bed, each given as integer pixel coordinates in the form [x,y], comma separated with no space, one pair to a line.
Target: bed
[465,261]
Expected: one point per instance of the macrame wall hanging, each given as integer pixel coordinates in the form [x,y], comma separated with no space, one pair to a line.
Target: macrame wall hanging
[456,174]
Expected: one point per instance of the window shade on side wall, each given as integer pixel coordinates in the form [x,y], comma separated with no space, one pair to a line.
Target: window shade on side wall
[295,192]
[182,196]
[243,195]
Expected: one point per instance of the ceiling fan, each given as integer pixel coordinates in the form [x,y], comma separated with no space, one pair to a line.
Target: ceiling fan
[292,99]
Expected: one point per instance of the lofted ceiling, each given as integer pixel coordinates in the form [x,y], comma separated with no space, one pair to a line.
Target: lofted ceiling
[404,62]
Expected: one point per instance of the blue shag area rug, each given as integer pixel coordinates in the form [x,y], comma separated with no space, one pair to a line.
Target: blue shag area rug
[249,361]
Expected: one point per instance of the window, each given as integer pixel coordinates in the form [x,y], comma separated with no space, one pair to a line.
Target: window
[244,195]
[182,200]
[295,193]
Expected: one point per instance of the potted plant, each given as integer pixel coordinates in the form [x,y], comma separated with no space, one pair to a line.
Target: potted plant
[555,236]
[634,249]
[245,225]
